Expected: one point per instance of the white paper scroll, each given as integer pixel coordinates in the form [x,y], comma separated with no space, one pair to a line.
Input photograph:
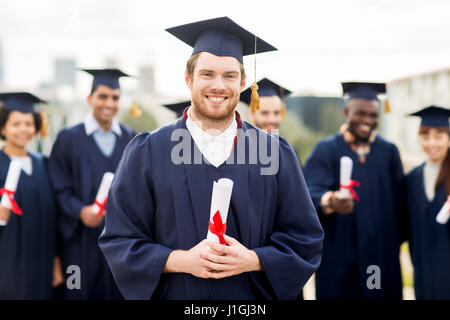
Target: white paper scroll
[346,175]
[444,213]
[12,180]
[103,190]
[220,201]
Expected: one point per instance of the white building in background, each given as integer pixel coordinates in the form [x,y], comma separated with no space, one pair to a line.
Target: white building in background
[407,95]
[2,69]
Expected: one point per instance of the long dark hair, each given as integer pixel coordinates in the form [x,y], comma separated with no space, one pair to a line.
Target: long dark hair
[444,174]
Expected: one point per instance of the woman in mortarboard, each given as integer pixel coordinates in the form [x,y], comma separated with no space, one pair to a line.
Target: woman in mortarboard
[428,186]
[28,266]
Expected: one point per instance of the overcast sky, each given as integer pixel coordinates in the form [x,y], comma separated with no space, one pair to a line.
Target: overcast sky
[320,42]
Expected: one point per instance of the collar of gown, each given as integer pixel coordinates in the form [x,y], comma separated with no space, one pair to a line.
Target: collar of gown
[215,148]
[91,125]
[25,163]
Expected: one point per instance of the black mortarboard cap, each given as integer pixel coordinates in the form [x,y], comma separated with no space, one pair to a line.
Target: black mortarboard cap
[107,77]
[20,101]
[433,116]
[363,90]
[266,88]
[221,37]
[178,107]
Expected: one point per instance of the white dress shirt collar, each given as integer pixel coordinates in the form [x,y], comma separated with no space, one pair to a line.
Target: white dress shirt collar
[215,148]
[91,125]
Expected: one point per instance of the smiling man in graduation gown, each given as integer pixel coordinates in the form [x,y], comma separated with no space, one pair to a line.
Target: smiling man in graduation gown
[80,156]
[361,246]
[272,110]
[159,207]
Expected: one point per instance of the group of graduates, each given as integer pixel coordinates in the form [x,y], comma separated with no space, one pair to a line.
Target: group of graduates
[281,228]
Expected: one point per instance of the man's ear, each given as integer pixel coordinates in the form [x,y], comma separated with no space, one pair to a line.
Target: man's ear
[187,79]
[243,82]
[346,111]
[89,100]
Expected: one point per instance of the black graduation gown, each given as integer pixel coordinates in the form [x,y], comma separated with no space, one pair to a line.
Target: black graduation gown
[76,167]
[369,235]
[430,241]
[156,206]
[27,242]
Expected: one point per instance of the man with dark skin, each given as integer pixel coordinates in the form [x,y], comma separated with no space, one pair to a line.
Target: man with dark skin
[362,119]
[362,230]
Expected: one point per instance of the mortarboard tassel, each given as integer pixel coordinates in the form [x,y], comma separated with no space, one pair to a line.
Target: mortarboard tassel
[283,111]
[135,112]
[283,105]
[387,106]
[254,103]
[44,127]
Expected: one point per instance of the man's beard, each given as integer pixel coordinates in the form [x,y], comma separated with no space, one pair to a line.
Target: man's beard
[201,108]
[359,139]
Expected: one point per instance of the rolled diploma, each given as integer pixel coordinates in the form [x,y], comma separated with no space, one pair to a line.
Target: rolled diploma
[12,179]
[444,213]
[103,190]
[346,174]
[220,200]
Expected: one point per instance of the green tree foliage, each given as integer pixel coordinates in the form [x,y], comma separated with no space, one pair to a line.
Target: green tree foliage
[299,136]
[143,123]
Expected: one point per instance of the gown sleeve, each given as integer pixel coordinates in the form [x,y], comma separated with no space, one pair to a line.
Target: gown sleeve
[294,247]
[128,239]
[320,174]
[399,180]
[69,205]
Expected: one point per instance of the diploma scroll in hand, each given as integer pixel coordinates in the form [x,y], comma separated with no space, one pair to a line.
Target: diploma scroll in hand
[220,202]
[102,194]
[346,183]
[8,191]
[444,213]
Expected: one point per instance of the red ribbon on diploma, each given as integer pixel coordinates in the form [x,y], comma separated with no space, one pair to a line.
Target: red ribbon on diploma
[350,186]
[14,206]
[101,205]
[217,227]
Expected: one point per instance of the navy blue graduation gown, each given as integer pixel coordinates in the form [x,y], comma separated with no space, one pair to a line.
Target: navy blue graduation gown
[369,235]
[27,242]
[76,167]
[156,206]
[429,240]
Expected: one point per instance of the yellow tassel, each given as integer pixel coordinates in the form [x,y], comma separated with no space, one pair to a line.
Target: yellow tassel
[387,106]
[255,103]
[44,128]
[135,112]
[283,111]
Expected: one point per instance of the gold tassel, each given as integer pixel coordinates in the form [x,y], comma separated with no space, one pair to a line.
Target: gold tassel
[283,111]
[255,103]
[44,128]
[387,106]
[135,112]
